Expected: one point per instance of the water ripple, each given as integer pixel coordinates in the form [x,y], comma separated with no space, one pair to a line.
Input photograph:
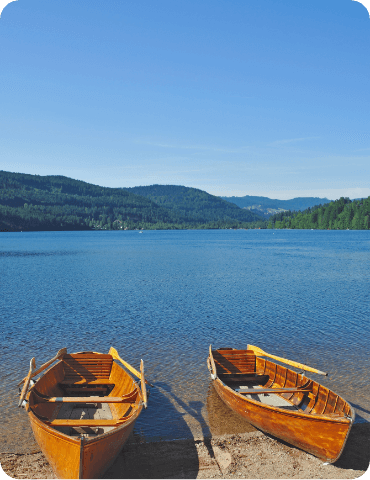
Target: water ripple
[165,296]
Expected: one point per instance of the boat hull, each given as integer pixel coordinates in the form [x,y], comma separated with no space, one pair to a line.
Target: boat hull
[319,435]
[290,406]
[82,411]
[76,458]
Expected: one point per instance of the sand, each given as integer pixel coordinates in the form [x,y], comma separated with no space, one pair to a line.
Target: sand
[242,455]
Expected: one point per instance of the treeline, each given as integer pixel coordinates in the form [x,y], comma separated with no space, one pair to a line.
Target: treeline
[194,205]
[342,214]
[32,203]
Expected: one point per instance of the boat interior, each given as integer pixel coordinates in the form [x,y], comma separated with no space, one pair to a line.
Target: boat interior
[272,384]
[85,394]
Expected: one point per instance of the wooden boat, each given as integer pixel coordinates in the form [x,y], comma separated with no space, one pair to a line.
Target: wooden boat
[82,410]
[282,402]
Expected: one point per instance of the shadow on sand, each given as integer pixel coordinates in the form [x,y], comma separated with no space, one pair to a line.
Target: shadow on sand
[356,453]
[161,456]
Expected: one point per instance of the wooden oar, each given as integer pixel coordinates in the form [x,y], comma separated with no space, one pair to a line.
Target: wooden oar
[61,352]
[27,381]
[260,352]
[114,353]
[213,366]
[143,387]
[256,391]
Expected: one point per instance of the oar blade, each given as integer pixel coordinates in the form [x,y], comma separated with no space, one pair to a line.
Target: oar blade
[260,352]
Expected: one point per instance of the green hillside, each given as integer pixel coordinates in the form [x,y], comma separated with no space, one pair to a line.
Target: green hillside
[194,205]
[33,202]
[341,214]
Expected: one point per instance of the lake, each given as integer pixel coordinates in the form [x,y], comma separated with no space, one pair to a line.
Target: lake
[165,296]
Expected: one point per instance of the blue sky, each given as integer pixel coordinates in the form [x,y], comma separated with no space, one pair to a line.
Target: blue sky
[235,98]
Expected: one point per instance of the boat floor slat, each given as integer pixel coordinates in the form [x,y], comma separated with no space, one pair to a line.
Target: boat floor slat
[76,411]
[71,415]
[272,400]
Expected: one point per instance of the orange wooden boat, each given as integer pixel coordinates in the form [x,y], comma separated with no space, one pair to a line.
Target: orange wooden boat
[82,410]
[282,402]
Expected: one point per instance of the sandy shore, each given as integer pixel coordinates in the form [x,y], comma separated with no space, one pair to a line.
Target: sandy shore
[242,455]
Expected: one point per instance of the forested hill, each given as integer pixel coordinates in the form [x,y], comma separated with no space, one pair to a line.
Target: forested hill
[268,206]
[341,214]
[33,202]
[193,204]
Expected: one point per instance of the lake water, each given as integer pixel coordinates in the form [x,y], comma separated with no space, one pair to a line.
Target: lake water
[165,296]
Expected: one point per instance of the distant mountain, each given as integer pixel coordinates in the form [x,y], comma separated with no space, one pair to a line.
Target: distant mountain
[266,206]
[33,202]
[195,205]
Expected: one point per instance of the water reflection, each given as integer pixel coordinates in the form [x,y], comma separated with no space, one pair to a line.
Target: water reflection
[222,420]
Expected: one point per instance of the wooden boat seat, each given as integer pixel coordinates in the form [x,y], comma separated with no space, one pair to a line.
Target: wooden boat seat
[83,387]
[89,422]
[87,400]
[61,422]
[127,398]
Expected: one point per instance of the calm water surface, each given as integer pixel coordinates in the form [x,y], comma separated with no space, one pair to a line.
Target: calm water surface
[164,296]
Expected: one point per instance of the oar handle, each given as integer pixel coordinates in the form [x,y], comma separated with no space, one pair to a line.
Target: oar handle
[212,363]
[27,381]
[61,352]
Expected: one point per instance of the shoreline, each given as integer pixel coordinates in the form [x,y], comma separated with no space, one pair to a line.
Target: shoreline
[242,455]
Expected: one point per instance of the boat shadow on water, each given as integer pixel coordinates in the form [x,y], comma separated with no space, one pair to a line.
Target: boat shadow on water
[356,453]
[172,453]
[159,457]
